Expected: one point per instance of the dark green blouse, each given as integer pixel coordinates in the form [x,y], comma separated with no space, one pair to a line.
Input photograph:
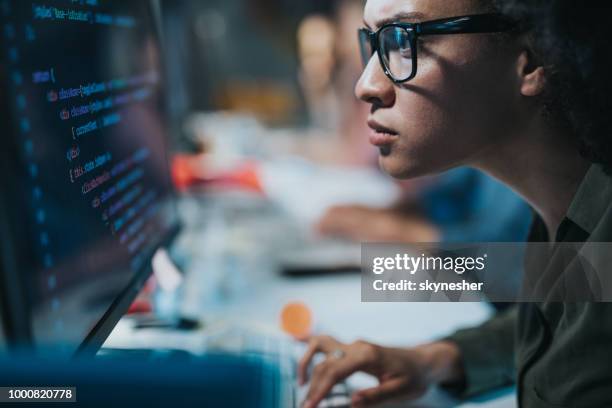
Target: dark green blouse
[558,353]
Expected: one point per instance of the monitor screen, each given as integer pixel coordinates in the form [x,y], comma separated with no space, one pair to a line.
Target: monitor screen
[85,178]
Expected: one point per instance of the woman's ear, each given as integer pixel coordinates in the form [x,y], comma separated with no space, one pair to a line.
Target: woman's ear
[531,76]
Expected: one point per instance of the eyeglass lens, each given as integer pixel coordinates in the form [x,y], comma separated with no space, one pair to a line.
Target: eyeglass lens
[396,52]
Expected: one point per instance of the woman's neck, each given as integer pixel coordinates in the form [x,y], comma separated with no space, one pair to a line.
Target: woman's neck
[541,165]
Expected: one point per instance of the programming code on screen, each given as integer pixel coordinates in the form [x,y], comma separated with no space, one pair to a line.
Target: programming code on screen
[85,91]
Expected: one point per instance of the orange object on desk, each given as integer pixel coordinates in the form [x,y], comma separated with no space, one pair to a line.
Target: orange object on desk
[189,171]
[296,320]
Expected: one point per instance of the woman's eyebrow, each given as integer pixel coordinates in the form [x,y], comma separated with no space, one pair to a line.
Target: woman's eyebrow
[410,17]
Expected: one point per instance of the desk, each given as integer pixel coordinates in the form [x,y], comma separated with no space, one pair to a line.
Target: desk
[253,293]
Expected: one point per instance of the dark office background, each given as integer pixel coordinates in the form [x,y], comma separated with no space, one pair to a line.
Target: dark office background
[223,46]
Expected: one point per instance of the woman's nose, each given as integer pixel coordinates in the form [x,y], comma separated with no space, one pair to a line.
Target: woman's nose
[374,86]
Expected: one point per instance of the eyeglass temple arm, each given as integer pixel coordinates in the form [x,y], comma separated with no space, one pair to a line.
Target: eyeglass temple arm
[484,23]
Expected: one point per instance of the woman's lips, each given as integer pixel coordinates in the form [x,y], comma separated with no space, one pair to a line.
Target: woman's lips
[381,135]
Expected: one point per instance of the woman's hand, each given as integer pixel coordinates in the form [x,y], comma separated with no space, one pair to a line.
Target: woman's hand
[402,373]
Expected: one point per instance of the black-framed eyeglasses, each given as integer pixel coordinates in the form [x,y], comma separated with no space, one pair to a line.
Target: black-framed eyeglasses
[396,43]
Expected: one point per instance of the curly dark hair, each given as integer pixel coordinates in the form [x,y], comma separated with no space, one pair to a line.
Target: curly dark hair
[572,41]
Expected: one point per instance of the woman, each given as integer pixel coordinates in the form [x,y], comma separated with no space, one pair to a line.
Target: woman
[519,89]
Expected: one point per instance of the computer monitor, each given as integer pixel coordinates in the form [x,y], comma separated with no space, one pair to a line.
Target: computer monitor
[86,196]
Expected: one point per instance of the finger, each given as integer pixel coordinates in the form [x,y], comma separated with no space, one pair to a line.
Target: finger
[386,391]
[317,344]
[305,361]
[325,376]
[307,339]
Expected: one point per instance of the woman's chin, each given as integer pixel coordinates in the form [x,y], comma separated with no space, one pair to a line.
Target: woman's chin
[399,167]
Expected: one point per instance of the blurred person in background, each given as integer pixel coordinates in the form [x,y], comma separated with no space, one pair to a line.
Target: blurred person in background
[316,36]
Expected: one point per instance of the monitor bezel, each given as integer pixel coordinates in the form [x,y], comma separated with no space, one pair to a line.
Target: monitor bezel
[100,332]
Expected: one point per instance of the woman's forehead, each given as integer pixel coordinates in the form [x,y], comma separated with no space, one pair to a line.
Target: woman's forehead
[379,12]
